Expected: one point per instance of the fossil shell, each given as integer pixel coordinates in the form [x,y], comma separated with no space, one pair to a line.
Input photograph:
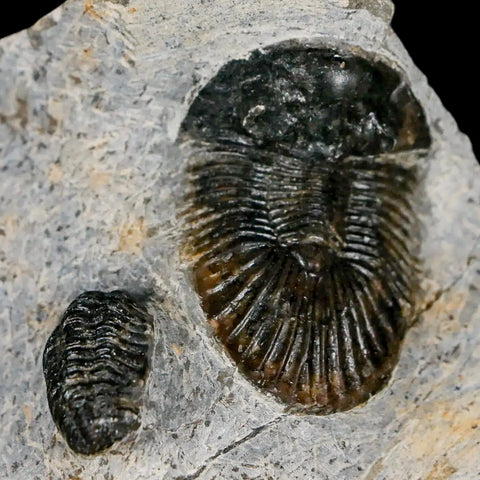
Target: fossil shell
[95,365]
[300,225]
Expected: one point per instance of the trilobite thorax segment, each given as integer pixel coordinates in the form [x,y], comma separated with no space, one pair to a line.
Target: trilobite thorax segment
[300,225]
[95,365]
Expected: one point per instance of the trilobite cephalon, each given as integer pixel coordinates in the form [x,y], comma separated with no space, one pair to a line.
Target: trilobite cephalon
[299,220]
[95,365]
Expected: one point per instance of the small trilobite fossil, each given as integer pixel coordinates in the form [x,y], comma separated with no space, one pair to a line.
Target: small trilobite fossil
[300,224]
[95,364]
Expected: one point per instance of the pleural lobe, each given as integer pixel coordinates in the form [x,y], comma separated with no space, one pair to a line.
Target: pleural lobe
[95,364]
[300,221]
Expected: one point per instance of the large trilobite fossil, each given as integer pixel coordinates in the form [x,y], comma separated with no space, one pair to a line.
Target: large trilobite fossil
[300,223]
[95,364]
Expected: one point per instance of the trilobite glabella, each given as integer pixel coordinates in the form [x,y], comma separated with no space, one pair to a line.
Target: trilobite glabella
[95,365]
[300,221]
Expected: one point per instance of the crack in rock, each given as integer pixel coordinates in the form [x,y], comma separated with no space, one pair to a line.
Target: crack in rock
[256,431]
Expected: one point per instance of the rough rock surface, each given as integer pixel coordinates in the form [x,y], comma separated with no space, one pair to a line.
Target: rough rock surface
[90,179]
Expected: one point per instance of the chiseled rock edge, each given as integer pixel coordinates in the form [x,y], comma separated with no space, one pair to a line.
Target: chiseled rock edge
[380,8]
[92,97]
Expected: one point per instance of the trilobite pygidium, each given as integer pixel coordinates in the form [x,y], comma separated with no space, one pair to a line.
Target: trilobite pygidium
[300,226]
[95,365]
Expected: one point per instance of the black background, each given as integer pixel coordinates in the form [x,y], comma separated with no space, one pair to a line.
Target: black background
[441,41]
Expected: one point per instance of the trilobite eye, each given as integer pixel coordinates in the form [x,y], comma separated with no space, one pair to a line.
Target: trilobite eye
[95,365]
[300,226]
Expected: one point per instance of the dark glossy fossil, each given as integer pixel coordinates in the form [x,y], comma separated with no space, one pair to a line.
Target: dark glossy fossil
[300,226]
[95,364]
